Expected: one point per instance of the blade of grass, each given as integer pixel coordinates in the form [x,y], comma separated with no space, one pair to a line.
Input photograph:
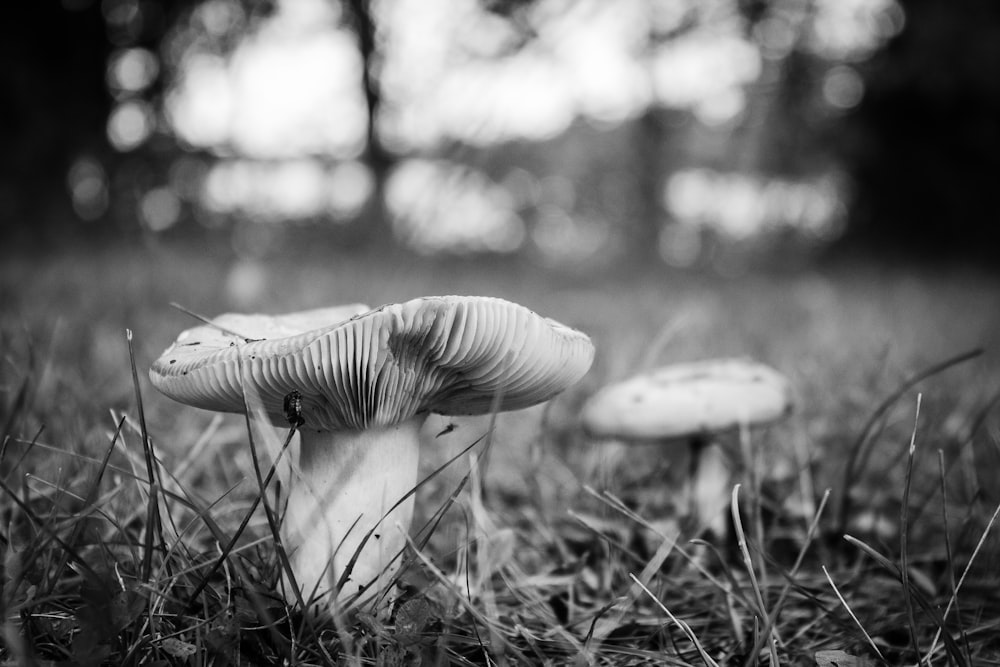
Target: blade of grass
[649,570]
[518,657]
[859,451]
[31,444]
[953,600]
[850,612]
[977,423]
[19,405]
[904,534]
[89,498]
[684,627]
[954,652]
[272,520]
[209,322]
[616,503]
[741,540]
[16,409]
[772,618]
[231,542]
[950,556]
[42,525]
[153,527]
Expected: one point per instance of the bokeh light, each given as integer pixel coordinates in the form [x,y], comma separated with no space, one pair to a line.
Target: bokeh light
[291,88]
[159,209]
[132,70]
[437,205]
[706,74]
[87,183]
[843,87]
[737,206]
[853,29]
[130,124]
[279,100]
[268,191]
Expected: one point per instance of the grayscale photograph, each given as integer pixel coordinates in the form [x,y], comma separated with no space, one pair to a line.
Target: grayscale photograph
[419,333]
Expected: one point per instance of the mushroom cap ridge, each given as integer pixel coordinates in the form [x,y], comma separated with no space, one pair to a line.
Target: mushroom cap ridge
[450,354]
[689,399]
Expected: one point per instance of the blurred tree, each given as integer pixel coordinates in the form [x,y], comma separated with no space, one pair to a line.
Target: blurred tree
[378,159]
[80,142]
[923,146]
[53,106]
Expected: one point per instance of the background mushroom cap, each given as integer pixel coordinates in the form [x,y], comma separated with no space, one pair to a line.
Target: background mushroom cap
[684,400]
[450,355]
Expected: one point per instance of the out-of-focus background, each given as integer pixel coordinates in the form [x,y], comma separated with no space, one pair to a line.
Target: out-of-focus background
[810,182]
[723,135]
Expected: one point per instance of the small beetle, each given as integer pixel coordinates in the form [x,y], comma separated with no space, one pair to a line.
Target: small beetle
[293,408]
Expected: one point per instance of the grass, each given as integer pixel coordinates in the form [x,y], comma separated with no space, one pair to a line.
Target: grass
[863,528]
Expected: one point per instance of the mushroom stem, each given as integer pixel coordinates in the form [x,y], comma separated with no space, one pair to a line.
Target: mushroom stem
[709,486]
[346,483]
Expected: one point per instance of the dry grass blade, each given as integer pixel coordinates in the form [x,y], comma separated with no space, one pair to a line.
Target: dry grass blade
[252,404]
[601,630]
[44,526]
[730,589]
[741,539]
[976,423]
[153,525]
[462,598]
[950,557]
[850,612]
[684,627]
[196,450]
[953,600]
[859,450]
[904,533]
[16,409]
[425,532]
[231,542]
[931,610]
[89,497]
[772,618]
[209,322]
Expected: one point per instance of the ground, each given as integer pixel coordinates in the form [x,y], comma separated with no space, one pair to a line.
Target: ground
[532,562]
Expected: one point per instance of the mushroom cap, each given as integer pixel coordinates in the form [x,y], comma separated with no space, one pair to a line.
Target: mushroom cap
[452,355]
[690,399]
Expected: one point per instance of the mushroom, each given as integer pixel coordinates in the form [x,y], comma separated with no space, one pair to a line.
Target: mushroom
[365,386]
[689,404]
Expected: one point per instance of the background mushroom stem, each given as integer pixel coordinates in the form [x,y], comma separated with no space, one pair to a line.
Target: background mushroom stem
[345,484]
[709,478]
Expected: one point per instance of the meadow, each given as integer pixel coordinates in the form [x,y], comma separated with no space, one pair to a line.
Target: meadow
[863,528]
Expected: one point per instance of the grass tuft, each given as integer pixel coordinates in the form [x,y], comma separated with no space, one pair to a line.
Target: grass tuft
[122,541]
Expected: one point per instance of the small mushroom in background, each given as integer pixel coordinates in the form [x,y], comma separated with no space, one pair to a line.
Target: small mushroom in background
[365,386]
[688,405]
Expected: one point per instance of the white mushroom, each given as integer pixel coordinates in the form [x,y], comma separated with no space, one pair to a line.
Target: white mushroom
[690,403]
[366,385]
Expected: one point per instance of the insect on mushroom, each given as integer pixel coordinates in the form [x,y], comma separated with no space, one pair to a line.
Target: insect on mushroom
[293,408]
